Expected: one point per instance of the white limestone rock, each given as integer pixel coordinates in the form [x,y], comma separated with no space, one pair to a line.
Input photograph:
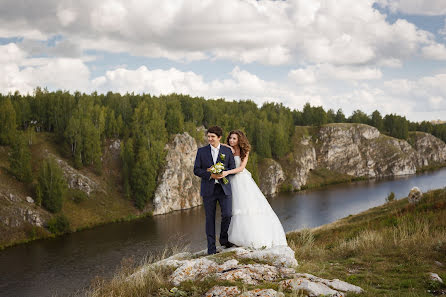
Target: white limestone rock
[271,178]
[221,291]
[430,149]
[76,180]
[310,288]
[198,269]
[178,187]
[262,293]
[415,195]
[29,199]
[254,273]
[280,256]
[435,277]
[335,284]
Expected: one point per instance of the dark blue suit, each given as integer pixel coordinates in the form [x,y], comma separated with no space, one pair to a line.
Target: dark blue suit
[212,192]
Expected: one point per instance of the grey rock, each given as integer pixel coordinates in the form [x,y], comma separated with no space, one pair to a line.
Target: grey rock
[272,178]
[221,291]
[178,187]
[310,288]
[262,293]
[29,199]
[435,277]
[76,180]
[415,195]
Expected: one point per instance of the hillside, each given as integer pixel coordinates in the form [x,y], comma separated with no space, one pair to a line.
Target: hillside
[23,221]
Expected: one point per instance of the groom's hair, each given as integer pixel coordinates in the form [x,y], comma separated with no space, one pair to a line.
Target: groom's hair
[216,130]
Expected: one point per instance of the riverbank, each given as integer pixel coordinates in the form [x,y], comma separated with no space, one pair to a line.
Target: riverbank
[387,250]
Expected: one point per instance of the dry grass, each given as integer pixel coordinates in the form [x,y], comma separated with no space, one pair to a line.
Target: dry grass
[135,279]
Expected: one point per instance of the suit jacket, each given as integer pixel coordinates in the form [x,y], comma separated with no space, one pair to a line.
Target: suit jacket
[203,161]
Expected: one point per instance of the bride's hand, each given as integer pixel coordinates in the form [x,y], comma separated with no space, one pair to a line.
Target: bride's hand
[232,149]
[224,174]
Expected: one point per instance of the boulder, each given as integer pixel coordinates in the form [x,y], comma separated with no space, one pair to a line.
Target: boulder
[415,195]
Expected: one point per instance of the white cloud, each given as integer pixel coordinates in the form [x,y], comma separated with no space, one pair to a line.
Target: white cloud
[20,72]
[323,72]
[271,32]
[417,7]
[436,51]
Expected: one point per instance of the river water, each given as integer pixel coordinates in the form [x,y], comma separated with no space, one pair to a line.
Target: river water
[60,266]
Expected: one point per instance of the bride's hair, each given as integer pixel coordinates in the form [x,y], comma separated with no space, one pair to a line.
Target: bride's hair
[243,143]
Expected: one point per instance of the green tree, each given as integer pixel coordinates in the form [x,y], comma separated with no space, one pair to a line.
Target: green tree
[128,162]
[340,116]
[20,159]
[377,120]
[7,121]
[51,185]
[174,117]
[143,179]
[359,117]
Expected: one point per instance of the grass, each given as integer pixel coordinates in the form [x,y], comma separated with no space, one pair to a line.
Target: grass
[322,177]
[387,250]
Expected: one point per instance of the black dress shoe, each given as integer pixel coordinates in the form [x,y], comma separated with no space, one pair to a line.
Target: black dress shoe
[228,245]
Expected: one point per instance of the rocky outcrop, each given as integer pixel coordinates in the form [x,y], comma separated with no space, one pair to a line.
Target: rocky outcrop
[429,148]
[271,178]
[17,211]
[305,158]
[75,179]
[178,187]
[275,266]
[360,150]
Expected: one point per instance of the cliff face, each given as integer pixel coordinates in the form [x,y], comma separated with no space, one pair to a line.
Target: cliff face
[360,150]
[355,150]
[178,187]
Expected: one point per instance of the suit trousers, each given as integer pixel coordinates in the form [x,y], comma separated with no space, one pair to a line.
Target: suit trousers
[210,204]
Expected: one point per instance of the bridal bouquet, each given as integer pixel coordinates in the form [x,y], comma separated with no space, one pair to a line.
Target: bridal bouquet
[218,169]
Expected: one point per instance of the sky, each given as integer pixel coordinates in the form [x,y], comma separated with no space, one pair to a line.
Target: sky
[385,55]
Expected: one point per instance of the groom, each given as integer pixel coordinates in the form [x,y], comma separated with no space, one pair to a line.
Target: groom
[212,187]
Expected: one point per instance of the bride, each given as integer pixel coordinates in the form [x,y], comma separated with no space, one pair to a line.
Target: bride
[254,223]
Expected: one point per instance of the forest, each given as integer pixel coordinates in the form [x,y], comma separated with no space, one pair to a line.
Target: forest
[144,123]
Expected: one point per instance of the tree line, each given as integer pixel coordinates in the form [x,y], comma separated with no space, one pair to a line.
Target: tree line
[81,122]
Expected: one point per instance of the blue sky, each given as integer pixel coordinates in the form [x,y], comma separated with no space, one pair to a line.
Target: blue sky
[388,55]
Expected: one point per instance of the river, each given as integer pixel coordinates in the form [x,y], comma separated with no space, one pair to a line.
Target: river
[60,266]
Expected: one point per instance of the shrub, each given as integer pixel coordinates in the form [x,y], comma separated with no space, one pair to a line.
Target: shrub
[78,196]
[390,197]
[58,224]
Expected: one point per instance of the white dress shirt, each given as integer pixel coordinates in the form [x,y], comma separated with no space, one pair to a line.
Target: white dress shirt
[214,152]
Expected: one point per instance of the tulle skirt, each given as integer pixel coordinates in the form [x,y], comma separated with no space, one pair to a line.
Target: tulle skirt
[254,223]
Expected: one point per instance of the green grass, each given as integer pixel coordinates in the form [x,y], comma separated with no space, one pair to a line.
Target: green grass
[387,250]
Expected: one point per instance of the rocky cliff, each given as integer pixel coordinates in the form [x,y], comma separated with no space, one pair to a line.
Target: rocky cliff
[178,187]
[353,150]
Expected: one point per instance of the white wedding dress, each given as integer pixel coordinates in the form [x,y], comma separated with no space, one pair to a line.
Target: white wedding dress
[254,223]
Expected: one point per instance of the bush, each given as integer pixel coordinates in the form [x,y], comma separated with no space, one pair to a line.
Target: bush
[390,197]
[59,224]
[78,196]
